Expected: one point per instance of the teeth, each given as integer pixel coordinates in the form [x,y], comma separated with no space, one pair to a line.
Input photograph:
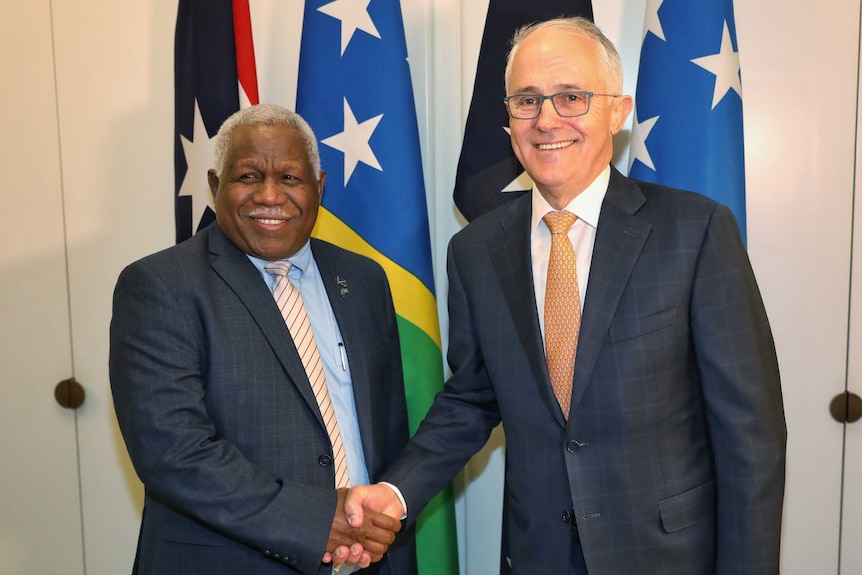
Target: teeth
[269,222]
[556,146]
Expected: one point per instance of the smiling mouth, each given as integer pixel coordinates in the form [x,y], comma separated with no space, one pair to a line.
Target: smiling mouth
[556,145]
[269,222]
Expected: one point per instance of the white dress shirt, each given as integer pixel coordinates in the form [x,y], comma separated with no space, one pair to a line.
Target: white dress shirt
[587,206]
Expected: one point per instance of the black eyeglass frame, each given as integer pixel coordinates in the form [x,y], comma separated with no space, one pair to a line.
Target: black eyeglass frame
[542,98]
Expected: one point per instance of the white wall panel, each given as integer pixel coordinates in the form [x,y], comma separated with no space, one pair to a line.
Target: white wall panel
[799,177]
[115,92]
[39,489]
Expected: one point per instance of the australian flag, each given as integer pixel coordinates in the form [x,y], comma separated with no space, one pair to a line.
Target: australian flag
[488,172]
[214,75]
[688,107]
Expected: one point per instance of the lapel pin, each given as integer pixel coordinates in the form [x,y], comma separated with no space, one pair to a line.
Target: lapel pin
[343,284]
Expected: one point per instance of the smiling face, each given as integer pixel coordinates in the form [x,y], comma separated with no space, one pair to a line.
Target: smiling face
[564,155]
[266,197]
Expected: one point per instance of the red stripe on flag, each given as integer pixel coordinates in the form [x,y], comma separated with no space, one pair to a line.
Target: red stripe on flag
[245,65]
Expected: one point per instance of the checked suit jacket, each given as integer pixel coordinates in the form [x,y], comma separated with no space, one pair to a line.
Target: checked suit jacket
[219,418]
[672,460]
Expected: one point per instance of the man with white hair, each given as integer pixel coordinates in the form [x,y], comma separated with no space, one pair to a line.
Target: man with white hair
[615,328]
[255,370]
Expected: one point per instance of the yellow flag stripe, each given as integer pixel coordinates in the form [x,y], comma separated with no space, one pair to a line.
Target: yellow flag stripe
[413,301]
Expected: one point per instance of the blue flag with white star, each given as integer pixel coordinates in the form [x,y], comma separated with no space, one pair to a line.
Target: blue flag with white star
[355,91]
[688,106]
[205,94]
[214,74]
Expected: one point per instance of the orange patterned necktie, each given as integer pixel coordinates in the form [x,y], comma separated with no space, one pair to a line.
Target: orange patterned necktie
[293,311]
[562,308]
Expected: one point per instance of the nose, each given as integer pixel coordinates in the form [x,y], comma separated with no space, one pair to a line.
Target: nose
[547,114]
[268,192]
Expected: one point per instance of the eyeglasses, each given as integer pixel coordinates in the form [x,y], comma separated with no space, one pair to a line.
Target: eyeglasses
[567,104]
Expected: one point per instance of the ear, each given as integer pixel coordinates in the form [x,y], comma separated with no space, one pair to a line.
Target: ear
[320,183]
[620,112]
[212,180]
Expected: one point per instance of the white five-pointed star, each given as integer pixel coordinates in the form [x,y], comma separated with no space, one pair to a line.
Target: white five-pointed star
[353,15]
[353,142]
[652,23]
[199,156]
[725,66]
[640,133]
[522,182]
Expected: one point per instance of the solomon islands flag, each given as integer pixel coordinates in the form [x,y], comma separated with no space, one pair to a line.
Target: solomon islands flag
[355,91]
[687,130]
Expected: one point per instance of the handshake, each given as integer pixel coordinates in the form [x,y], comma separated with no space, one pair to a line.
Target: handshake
[367,517]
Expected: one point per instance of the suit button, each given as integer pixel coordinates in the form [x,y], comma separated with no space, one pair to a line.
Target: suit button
[572,446]
[567,517]
[324,460]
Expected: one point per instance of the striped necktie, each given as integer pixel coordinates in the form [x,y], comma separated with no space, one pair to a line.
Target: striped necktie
[293,311]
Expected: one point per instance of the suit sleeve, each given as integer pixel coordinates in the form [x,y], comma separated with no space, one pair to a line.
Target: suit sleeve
[463,414]
[740,380]
[158,382]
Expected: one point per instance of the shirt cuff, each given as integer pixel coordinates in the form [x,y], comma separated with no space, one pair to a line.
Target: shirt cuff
[400,498]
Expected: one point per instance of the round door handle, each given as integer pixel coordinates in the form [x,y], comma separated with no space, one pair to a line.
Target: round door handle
[846,407]
[69,393]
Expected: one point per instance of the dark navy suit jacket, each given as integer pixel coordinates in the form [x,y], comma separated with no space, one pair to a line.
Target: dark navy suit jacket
[672,460]
[219,417]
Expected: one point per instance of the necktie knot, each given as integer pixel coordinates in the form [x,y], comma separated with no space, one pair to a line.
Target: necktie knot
[559,222]
[279,268]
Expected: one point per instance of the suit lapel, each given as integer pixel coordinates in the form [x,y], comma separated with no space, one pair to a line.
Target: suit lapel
[509,247]
[234,267]
[620,238]
[345,309]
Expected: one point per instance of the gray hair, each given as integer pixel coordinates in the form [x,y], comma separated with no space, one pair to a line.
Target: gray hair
[265,115]
[608,55]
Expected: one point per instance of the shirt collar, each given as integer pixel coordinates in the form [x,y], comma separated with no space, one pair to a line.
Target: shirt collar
[587,205]
[301,260]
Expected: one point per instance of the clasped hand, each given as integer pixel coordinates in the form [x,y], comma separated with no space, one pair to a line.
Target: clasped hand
[367,517]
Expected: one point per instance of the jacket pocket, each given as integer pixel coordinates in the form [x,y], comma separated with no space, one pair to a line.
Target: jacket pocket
[688,508]
[624,328]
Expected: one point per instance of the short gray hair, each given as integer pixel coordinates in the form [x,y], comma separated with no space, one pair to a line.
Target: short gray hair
[608,55]
[265,115]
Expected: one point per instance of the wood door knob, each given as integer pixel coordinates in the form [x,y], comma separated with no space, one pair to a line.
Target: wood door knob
[69,393]
[846,407]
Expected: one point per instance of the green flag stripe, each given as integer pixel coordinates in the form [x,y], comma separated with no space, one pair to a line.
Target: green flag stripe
[436,540]
[423,370]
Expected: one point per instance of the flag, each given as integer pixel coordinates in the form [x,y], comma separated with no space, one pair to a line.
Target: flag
[687,130]
[355,91]
[214,74]
[488,173]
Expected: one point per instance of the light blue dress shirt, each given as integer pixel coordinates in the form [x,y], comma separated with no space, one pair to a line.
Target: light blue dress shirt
[306,277]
